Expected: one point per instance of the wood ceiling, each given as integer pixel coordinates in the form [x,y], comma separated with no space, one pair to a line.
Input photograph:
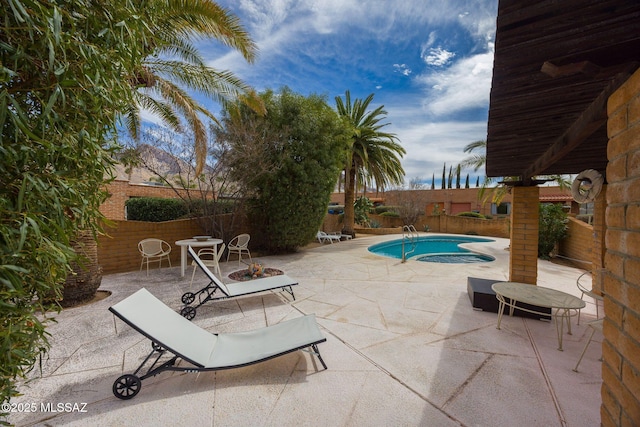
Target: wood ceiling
[555,65]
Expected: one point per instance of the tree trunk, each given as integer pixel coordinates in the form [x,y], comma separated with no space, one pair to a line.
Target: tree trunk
[81,285]
[349,198]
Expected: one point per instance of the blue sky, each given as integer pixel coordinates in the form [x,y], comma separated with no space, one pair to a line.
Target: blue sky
[429,62]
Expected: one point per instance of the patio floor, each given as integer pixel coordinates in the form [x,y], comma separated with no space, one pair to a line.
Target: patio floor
[404,347]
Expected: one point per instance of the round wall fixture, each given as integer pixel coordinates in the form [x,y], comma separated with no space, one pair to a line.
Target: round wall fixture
[587,186]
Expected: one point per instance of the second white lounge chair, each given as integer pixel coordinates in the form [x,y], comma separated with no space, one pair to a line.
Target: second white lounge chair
[173,335]
[230,290]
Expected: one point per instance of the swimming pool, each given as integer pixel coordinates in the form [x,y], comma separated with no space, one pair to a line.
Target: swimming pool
[443,249]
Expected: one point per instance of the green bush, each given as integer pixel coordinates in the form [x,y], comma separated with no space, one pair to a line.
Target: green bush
[304,139]
[552,227]
[472,215]
[390,214]
[379,210]
[64,77]
[155,209]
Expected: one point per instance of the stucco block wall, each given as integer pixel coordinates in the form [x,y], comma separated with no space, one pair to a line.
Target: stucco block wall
[118,250]
[621,284]
[578,245]
[523,262]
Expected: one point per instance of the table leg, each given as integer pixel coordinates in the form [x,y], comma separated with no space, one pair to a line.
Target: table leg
[512,307]
[560,328]
[500,309]
[216,266]
[183,260]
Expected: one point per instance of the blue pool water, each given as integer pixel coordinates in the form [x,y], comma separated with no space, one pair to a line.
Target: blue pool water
[444,249]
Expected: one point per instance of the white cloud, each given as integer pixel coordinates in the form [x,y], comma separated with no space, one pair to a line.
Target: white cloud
[317,32]
[436,57]
[464,85]
[431,144]
[402,69]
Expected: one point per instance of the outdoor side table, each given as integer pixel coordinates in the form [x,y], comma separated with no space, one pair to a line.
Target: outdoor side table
[184,244]
[565,305]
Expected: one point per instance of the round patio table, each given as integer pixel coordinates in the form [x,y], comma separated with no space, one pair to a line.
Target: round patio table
[184,244]
[565,305]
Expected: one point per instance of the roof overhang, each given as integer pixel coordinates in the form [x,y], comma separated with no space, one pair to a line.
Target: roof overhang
[555,66]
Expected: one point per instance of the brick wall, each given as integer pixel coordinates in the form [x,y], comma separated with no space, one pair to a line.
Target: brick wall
[497,227]
[453,200]
[621,345]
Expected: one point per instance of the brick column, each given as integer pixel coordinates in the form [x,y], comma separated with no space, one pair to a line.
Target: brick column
[523,260]
[621,345]
[599,232]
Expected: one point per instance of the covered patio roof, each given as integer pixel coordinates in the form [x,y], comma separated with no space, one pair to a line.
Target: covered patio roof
[556,64]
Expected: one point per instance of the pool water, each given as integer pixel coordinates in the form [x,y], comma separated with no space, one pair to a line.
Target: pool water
[444,249]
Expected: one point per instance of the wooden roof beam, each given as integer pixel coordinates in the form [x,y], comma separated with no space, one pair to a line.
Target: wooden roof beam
[583,67]
[594,116]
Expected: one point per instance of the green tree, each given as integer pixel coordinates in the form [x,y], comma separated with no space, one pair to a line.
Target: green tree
[552,227]
[372,153]
[289,163]
[173,66]
[63,79]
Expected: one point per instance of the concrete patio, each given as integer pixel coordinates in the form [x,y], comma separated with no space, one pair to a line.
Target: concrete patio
[404,347]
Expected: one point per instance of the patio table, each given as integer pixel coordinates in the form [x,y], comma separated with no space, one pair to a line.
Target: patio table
[565,305]
[194,243]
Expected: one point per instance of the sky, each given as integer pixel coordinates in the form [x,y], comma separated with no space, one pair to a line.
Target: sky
[429,62]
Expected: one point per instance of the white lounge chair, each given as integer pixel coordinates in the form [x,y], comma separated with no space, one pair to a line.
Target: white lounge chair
[327,238]
[230,290]
[201,350]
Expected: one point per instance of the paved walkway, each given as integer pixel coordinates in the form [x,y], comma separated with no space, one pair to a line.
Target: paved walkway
[404,347]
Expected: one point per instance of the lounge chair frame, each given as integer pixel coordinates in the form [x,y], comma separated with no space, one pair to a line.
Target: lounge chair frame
[128,386]
[231,290]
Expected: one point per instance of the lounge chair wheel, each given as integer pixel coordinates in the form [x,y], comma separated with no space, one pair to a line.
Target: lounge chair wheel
[127,386]
[188,298]
[188,313]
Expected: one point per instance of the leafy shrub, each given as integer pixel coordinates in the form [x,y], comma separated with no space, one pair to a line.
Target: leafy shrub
[379,210]
[471,215]
[552,227]
[65,76]
[390,214]
[155,209]
[304,139]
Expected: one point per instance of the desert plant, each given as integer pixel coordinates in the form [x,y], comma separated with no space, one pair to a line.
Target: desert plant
[551,229]
[361,208]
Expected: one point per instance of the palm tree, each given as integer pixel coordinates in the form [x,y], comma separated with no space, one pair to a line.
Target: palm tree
[478,161]
[175,65]
[372,155]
